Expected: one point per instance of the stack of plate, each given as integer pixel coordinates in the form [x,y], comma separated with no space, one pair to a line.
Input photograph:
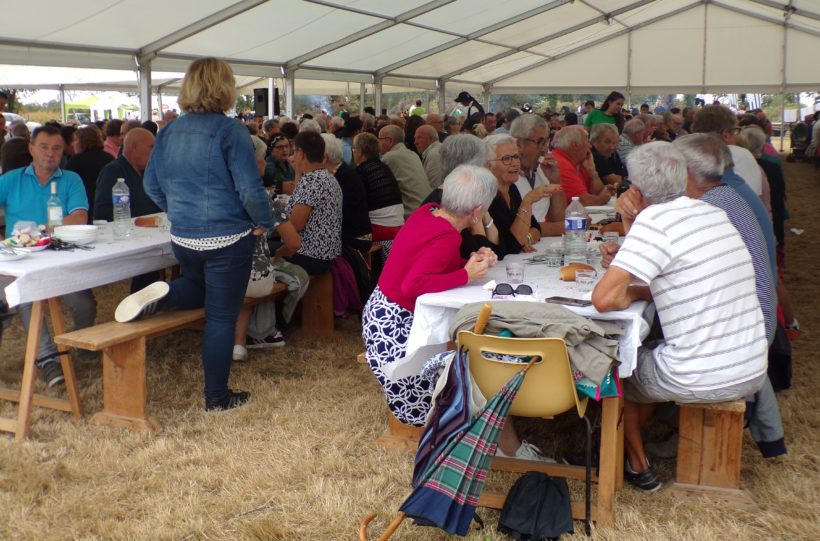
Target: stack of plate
[76,234]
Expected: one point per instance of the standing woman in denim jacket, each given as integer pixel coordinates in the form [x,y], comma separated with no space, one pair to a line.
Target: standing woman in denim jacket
[203,174]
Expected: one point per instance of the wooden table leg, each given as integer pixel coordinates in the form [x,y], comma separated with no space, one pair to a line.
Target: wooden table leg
[35,329]
[125,392]
[57,321]
[609,458]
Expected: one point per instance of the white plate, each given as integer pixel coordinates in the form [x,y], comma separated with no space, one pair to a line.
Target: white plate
[12,257]
[31,249]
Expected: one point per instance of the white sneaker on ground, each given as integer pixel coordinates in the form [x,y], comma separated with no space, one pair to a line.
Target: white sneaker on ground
[526,451]
[142,303]
[240,353]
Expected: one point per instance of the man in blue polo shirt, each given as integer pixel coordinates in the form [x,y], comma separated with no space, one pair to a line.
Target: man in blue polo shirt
[24,193]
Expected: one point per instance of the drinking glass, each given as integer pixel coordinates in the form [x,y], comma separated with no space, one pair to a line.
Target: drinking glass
[585,280]
[515,272]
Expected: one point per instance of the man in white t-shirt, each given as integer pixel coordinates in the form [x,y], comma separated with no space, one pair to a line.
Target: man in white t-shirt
[531,135]
[686,256]
[723,122]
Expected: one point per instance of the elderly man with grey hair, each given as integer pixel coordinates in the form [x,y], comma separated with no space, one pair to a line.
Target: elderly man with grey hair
[631,136]
[532,137]
[707,159]
[427,143]
[356,228]
[687,257]
[608,165]
[406,166]
[577,166]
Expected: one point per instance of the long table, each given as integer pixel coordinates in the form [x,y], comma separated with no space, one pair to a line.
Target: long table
[40,279]
[430,334]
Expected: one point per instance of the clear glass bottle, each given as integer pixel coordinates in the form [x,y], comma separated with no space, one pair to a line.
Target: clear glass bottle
[54,210]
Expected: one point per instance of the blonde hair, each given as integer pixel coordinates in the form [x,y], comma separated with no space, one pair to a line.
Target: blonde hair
[209,86]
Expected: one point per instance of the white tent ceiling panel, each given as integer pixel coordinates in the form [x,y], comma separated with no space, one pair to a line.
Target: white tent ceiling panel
[274,32]
[602,65]
[382,49]
[126,24]
[36,56]
[652,11]
[452,59]
[494,70]
[468,16]
[679,65]
[379,7]
[740,48]
[543,25]
[577,39]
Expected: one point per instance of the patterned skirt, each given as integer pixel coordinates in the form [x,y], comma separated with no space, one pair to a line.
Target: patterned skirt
[385,330]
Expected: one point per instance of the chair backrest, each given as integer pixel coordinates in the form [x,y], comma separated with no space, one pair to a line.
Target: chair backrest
[548,388]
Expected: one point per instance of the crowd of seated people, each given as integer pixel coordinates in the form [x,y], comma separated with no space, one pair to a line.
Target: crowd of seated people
[445,197]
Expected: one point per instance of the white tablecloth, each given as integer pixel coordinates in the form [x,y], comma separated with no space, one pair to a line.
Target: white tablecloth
[435,311]
[50,273]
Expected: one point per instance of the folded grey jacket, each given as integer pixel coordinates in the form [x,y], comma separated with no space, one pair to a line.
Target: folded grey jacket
[589,348]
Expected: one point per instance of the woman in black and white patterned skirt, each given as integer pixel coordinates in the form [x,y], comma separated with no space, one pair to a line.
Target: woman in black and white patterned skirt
[425,259]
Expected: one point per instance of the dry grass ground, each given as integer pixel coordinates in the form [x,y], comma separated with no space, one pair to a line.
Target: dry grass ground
[298,462]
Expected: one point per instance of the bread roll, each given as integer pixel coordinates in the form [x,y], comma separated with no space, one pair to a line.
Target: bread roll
[568,271]
[146,221]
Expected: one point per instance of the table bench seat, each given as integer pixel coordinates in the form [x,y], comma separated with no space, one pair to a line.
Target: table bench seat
[710,444]
[123,347]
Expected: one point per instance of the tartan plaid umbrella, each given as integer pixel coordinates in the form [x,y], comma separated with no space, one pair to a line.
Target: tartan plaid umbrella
[449,491]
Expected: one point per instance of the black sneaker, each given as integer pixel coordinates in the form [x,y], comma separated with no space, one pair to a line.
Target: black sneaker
[52,374]
[233,399]
[271,341]
[646,480]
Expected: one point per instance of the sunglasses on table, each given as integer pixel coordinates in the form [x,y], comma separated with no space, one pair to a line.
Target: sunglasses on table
[507,290]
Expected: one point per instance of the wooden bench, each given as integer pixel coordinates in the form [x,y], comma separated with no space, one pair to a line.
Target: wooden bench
[709,453]
[125,393]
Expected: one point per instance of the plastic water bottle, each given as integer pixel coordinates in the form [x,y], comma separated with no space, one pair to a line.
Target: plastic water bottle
[575,232]
[54,210]
[121,196]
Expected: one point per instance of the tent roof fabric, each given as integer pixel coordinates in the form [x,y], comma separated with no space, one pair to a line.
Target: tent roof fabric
[534,46]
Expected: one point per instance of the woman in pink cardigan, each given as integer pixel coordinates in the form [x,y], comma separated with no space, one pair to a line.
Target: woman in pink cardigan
[424,259]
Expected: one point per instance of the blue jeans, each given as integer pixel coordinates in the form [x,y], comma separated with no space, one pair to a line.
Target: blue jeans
[217,280]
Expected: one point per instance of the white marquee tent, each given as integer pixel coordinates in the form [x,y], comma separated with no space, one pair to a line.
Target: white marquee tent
[483,46]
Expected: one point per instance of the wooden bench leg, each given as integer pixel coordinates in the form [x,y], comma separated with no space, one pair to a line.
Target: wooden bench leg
[317,306]
[709,454]
[399,435]
[125,393]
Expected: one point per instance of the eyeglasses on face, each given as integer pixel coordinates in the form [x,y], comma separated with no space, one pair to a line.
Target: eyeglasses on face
[733,131]
[539,142]
[508,290]
[508,159]
[282,147]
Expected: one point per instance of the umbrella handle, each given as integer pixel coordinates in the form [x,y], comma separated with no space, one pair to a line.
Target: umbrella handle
[392,527]
[483,318]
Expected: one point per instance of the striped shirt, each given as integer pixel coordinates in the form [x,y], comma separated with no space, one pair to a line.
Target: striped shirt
[703,283]
[743,218]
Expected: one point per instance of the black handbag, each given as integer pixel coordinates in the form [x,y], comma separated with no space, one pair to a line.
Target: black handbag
[537,508]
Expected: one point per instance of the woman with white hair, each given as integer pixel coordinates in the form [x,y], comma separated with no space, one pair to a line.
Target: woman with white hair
[424,259]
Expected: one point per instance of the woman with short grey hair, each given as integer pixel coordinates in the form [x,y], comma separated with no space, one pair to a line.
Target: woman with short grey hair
[424,259]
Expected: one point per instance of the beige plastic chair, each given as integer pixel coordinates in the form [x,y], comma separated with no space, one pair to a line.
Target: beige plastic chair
[548,389]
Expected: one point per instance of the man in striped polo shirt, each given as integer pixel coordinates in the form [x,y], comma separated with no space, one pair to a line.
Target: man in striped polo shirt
[708,159]
[686,256]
